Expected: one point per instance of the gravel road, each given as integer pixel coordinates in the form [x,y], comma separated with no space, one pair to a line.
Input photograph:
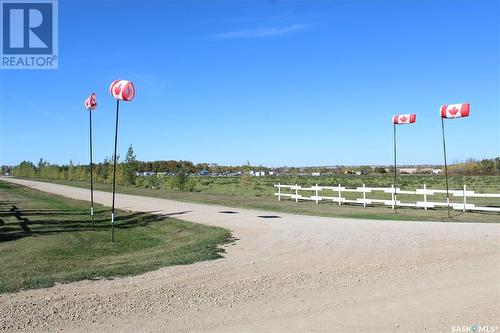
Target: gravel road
[285,273]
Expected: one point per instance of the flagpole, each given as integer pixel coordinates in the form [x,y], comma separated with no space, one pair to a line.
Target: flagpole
[114,175]
[91,172]
[445,169]
[395,171]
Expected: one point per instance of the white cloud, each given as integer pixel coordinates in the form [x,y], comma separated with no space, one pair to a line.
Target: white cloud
[258,33]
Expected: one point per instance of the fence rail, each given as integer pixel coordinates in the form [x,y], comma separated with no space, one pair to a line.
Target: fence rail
[393,202]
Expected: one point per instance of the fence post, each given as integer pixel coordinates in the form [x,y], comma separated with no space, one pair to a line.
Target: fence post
[392,196]
[316,194]
[296,193]
[364,196]
[340,203]
[465,197]
[425,196]
[279,191]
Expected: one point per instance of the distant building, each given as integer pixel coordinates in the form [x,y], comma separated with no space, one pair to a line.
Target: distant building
[425,170]
[408,170]
[316,174]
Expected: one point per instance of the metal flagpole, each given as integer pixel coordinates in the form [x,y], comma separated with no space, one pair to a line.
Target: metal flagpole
[395,171]
[91,178]
[446,170]
[114,175]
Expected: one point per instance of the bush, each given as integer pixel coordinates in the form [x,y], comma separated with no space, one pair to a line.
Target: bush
[245,181]
[168,183]
[180,179]
[152,182]
[25,169]
[139,182]
[190,185]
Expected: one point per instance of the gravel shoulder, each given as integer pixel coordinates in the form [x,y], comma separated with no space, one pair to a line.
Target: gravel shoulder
[285,273]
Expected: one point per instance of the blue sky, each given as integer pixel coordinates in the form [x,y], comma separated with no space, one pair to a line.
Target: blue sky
[273,82]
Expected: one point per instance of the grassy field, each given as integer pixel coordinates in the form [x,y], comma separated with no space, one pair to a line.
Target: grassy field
[257,193]
[263,186]
[46,239]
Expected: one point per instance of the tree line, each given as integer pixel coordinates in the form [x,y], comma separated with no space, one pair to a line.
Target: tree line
[103,171]
[473,167]
[126,170]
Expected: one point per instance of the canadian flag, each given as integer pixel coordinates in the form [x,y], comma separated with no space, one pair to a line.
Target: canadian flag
[455,110]
[122,89]
[90,103]
[400,119]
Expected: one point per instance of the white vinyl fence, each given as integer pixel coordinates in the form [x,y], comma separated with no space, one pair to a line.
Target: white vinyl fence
[295,193]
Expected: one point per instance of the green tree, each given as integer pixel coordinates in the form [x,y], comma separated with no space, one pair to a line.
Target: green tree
[24,169]
[180,179]
[245,181]
[119,171]
[102,170]
[487,167]
[151,181]
[130,167]
[71,170]
[41,163]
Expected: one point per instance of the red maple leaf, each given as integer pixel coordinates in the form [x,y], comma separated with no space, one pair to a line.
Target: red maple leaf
[453,111]
[117,89]
[403,119]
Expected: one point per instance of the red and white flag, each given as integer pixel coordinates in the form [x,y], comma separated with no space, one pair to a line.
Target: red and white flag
[455,110]
[400,119]
[122,89]
[90,103]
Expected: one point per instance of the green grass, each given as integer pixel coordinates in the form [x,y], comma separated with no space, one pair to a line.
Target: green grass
[46,239]
[258,194]
[263,186]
